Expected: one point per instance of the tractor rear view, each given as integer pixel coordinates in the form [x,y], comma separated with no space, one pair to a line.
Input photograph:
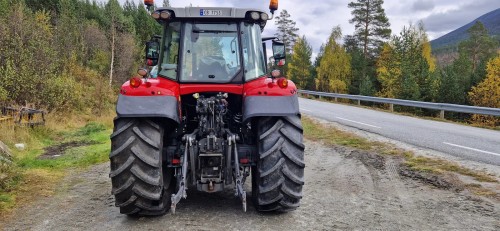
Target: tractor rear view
[212,116]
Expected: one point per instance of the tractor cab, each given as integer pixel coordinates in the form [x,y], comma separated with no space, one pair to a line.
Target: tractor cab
[210,45]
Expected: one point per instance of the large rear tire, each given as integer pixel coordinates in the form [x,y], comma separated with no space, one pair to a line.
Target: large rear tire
[279,175]
[140,183]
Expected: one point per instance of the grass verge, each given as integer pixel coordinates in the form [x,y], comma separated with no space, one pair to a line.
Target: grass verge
[64,144]
[329,135]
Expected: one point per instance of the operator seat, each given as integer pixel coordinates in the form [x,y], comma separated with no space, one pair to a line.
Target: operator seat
[213,67]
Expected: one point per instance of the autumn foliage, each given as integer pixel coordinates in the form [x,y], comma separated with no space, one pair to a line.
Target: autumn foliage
[487,93]
[62,55]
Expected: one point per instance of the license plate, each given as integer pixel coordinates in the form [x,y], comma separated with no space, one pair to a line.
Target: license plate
[210,12]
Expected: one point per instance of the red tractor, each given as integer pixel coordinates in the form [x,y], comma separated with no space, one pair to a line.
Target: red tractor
[213,115]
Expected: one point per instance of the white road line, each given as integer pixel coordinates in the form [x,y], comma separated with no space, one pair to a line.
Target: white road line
[306,110]
[473,149]
[352,121]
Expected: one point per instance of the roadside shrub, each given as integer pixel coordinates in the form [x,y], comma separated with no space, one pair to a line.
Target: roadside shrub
[3,94]
[9,176]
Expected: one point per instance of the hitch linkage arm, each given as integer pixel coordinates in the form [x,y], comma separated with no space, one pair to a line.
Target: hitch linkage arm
[182,184]
[239,178]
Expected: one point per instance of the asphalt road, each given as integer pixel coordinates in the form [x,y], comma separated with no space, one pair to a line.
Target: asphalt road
[466,142]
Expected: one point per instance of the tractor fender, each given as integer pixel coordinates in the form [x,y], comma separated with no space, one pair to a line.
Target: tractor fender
[148,106]
[254,106]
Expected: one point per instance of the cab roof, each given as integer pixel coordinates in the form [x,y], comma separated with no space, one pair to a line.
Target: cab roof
[209,12]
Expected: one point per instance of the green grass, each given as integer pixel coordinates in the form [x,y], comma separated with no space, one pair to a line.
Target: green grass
[426,164]
[32,172]
[90,128]
[82,156]
[331,136]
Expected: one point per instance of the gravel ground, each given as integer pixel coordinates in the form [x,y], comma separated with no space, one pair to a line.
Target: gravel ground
[345,189]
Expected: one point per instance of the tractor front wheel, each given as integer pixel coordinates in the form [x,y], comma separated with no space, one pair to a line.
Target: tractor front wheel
[278,177]
[140,183]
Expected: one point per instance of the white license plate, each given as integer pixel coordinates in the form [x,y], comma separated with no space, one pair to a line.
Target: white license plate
[210,12]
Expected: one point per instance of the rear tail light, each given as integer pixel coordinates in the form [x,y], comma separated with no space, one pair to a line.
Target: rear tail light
[135,82]
[283,82]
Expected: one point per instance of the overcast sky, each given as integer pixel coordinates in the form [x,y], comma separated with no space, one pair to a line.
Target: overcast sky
[316,18]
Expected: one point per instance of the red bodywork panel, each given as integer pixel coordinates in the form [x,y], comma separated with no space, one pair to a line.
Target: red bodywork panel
[164,87]
[152,87]
[191,88]
[268,87]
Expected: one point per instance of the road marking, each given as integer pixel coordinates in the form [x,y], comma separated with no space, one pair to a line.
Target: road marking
[473,149]
[369,125]
[306,110]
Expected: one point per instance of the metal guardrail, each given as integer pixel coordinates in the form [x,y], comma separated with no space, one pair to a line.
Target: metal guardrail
[436,106]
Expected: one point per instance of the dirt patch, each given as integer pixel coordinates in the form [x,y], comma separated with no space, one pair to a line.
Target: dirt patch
[446,182]
[59,150]
[369,158]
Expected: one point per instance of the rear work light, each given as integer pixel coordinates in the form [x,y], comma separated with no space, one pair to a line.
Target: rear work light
[156,15]
[135,82]
[264,17]
[165,15]
[276,73]
[255,15]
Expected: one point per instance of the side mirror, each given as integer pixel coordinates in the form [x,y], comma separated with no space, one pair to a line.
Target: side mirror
[278,51]
[152,53]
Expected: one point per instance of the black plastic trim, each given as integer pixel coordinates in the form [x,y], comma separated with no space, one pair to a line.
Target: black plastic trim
[254,106]
[148,106]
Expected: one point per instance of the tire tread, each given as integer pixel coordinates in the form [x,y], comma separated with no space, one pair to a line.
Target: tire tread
[278,177]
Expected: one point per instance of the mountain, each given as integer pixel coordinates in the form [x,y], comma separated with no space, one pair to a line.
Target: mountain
[490,20]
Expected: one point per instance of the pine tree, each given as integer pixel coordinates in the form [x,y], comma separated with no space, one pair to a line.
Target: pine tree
[405,66]
[478,49]
[52,6]
[469,68]
[371,23]
[361,84]
[314,68]
[372,28]
[287,32]
[145,25]
[479,45]
[300,67]
[334,71]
